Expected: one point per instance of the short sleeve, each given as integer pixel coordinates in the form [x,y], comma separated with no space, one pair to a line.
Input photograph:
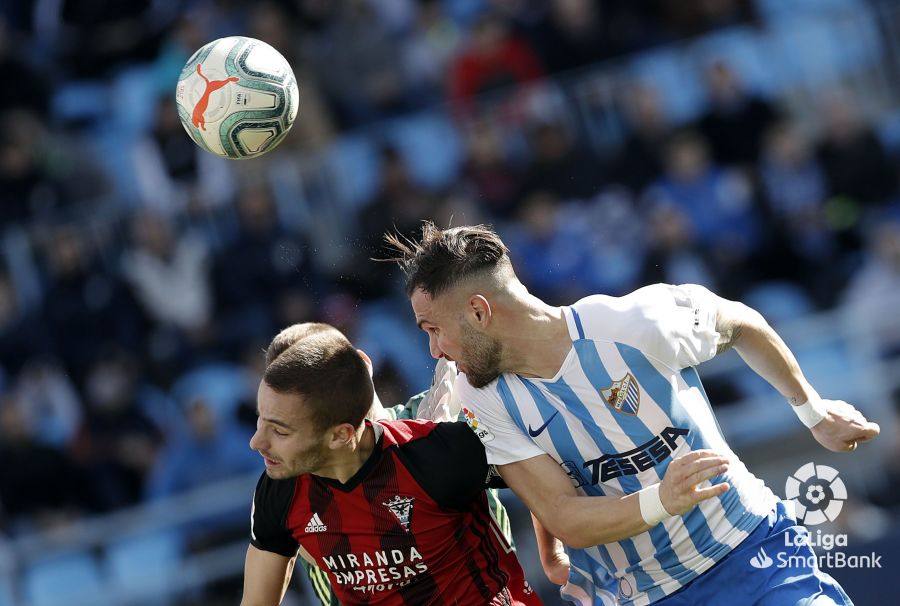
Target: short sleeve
[450,464]
[271,501]
[484,411]
[685,322]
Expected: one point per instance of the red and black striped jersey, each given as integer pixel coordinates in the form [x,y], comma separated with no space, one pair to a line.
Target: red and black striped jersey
[411,527]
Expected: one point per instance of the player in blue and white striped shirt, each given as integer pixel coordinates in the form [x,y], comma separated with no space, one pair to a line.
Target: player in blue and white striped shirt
[598,421]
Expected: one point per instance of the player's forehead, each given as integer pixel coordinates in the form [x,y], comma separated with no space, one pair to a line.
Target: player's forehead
[286,408]
[427,307]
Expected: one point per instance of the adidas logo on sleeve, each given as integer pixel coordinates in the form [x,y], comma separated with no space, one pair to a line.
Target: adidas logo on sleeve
[315,524]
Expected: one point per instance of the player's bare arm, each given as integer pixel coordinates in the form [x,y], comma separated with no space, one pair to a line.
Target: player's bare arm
[835,424]
[583,521]
[266,577]
[554,559]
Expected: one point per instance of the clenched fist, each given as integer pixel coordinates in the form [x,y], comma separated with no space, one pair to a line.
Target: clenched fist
[843,427]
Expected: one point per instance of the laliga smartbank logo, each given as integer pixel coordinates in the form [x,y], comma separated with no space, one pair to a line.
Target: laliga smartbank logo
[817,494]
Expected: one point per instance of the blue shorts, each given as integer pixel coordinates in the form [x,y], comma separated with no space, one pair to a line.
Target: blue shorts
[779,575]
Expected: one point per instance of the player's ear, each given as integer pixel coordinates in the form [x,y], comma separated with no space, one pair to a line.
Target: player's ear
[341,436]
[479,311]
[367,360]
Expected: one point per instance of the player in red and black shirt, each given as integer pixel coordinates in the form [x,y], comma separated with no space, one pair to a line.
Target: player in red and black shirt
[394,511]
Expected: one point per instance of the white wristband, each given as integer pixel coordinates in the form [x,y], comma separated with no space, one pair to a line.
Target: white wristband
[811,412]
[652,509]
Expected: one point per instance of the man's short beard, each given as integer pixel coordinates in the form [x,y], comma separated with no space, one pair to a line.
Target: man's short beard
[310,460]
[481,356]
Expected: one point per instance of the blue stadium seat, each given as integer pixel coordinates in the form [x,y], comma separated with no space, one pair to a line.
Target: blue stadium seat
[774,10]
[142,564]
[6,594]
[889,131]
[356,168]
[779,301]
[223,386]
[743,50]
[679,87]
[70,580]
[430,146]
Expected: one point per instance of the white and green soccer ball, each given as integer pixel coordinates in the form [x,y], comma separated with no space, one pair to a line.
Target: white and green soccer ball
[237,97]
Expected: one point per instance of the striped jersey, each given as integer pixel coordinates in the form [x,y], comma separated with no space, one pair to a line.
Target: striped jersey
[625,402]
[411,527]
[318,578]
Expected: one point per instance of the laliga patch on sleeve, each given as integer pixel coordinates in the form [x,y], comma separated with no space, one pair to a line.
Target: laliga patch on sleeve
[483,433]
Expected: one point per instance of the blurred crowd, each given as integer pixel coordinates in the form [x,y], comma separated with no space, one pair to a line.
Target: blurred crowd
[142,278]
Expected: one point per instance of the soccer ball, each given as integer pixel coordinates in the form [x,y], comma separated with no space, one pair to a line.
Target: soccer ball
[237,97]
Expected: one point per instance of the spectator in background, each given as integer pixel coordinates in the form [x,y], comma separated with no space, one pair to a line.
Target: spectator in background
[31,90]
[400,204]
[547,249]
[211,449]
[854,160]
[431,46]
[22,175]
[169,276]
[682,19]
[492,58]
[736,119]
[873,294]
[674,256]
[496,183]
[719,205]
[39,485]
[169,273]
[22,333]
[615,237]
[795,189]
[560,166]
[52,407]
[571,34]
[639,159]
[82,301]
[42,177]
[91,38]
[254,272]
[359,63]
[165,162]
[118,443]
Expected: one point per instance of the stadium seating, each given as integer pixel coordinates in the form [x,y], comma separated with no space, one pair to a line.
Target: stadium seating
[73,579]
[140,565]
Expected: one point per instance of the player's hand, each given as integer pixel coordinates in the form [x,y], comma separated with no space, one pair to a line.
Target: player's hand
[843,428]
[679,490]
[439,404]
[556,567]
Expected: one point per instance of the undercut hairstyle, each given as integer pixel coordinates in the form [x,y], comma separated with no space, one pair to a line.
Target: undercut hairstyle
[442,258]
[316,361]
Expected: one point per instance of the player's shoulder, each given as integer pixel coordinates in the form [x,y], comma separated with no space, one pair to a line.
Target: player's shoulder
[403,431]
[641,298]
[427,440]
[274,495]
[605,316]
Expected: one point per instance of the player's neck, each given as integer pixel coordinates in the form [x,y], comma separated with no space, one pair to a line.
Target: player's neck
[377,410]
[345,463]
[536,338]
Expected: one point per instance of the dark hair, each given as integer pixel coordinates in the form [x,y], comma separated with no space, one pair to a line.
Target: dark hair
[319,363]
[443,257]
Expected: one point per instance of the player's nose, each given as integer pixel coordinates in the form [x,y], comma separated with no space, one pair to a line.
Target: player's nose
[255,441]
[436,352]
